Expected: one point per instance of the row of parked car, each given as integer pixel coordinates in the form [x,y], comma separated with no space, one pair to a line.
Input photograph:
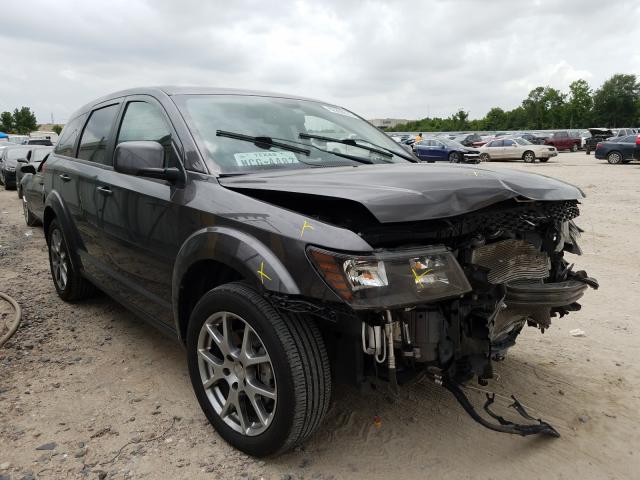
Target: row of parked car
[616,146]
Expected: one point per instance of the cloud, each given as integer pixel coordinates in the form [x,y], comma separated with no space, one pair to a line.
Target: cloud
[378,58]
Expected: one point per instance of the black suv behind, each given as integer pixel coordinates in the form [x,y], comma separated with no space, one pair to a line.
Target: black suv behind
[289,244]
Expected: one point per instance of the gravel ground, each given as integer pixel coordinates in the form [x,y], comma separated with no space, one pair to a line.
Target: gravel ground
[89,391]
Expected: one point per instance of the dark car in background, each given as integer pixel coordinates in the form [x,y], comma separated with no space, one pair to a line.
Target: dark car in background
[226,219]
[9,163]
[38,154]
[597,135]
[467,139]
[617,150]
[531,138]
[444,150]
[33,191]
[38,141]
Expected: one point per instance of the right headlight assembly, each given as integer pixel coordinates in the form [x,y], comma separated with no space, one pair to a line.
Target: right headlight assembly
[389,279]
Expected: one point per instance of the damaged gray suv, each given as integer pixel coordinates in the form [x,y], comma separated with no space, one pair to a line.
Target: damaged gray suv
[290,245]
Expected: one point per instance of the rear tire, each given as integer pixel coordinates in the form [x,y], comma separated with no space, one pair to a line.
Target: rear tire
[69,283]
[29,218]
[615,158]
[295,354]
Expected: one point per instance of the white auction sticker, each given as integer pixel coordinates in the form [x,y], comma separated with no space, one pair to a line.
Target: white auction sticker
[253,159]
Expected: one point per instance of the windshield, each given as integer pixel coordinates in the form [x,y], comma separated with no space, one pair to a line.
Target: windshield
[40,153]
[281,120]
[522,141]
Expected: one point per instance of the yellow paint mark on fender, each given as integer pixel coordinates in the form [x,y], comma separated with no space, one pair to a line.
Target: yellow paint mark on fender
[262,274]
[305,225]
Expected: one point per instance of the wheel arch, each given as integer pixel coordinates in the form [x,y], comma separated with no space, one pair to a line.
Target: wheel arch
[214,256]
[55,209]
[529,151]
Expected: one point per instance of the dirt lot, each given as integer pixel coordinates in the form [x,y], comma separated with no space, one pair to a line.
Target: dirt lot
[89,391]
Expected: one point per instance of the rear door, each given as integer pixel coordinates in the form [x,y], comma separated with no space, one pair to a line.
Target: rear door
[440,151]
[494,149]
[92,158]
[138,220]
[424,150]
[628,146]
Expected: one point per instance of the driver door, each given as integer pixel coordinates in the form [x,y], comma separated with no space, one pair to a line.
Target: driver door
[510,149]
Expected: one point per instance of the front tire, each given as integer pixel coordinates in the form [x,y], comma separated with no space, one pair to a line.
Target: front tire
[484,157]
[574,148]
[544,160]
[261,378]
[529,156]
[69,283]
[615,158]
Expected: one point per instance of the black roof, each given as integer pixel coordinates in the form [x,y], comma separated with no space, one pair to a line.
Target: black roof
[184,90]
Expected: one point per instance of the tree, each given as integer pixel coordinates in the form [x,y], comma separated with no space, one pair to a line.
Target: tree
[460,120]
[57,129]
[6,122]
[579,104]
[544,108]
[496,119]
[24,121]
[617,102]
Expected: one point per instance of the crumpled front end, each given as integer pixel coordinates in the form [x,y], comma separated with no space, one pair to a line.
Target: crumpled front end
[446,298]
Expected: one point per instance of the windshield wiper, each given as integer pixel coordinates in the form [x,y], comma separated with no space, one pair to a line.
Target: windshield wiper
[346,141]
[263,142]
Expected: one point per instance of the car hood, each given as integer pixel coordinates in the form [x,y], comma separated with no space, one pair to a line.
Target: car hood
[409,192]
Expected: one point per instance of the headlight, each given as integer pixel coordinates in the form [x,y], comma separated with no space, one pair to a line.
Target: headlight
[11,169]
[391,279]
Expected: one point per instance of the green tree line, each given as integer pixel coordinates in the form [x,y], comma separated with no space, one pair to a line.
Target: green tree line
[21,121]
[615,104]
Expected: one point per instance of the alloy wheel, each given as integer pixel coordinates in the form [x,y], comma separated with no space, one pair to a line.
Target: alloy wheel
[614,158]
[237,373]
[59,260]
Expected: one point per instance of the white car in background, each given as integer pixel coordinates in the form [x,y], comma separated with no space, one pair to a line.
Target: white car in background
[515,148]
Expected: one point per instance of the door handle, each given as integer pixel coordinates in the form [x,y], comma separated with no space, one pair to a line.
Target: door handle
[105,190]
[64,177]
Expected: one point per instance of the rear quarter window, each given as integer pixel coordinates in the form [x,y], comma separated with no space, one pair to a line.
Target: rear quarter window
[95,137]
[68,137]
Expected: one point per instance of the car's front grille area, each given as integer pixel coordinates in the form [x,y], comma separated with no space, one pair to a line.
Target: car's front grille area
[515,217]
[525,217]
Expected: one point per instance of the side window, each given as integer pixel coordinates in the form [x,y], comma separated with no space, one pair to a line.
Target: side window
[68,137]
[145,121]
[496,143]
[509,143]
[93,143]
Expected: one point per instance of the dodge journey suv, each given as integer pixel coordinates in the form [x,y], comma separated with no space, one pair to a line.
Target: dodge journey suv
[289,244]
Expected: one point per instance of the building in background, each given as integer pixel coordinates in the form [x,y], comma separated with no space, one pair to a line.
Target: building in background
[387,122]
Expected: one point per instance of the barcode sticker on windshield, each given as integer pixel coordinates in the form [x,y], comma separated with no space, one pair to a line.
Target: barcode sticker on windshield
[339,111]
[254,159]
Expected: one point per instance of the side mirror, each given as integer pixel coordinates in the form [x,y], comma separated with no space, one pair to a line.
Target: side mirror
[143,159]
[28,169]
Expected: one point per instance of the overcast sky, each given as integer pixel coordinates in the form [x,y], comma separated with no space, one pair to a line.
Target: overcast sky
[378,58]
